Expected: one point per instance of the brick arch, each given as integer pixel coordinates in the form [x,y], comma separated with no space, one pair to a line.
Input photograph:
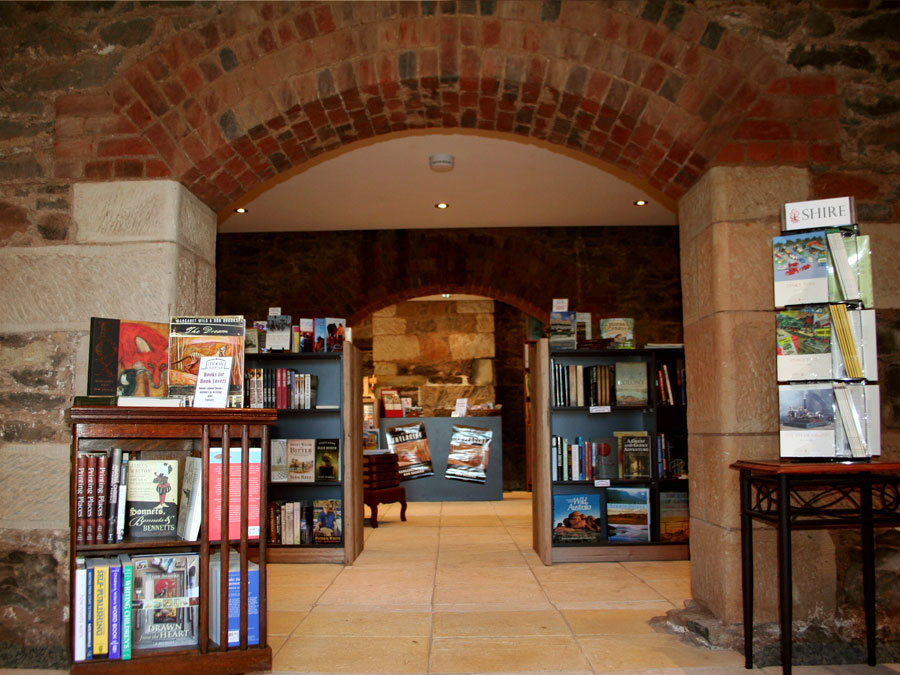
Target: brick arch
[657,89]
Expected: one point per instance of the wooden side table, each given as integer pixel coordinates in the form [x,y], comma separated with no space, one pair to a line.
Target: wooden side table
[793,495]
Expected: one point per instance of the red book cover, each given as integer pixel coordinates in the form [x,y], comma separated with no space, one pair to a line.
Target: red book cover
[80,477]
[234,494]
[100,498]
[90,487]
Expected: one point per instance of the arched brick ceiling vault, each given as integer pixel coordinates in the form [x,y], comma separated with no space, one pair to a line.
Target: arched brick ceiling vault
[658,91]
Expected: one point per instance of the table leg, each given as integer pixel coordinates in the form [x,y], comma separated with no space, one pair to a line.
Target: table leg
[785,584]
[747,567]
[867,536]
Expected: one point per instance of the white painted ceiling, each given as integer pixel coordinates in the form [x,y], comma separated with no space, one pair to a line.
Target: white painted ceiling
[387,184]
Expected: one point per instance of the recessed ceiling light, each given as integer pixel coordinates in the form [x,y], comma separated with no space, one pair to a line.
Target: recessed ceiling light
[240,209]
[442,205]
[640,202]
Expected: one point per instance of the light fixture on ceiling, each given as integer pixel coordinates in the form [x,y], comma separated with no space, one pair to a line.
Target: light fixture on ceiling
[240,209]
[441,163]
[640,202]
[442,205]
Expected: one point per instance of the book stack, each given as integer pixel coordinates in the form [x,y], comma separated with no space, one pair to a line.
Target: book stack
[281,388]
[100,490]
[826,362]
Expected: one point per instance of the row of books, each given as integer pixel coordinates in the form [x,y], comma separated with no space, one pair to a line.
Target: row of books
[623,383]
[318,521]
[667,391]
[571,330]
[146,602]
[281,388]
[278,334]
[305,460]
[123,498]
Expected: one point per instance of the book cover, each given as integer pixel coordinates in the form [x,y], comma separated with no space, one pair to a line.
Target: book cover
[636,456]
[165,600]
[320,335]
[606,458]
[801,268]
[806,420]
[307,334]
[631,383]
[618,331]
[127,358]
[123,494]
[112,506]
[391,404]
[301,460]
[100,642]
[193,337]
[79,609]
[335,330]
[628,514]
[189,514]
[410,443]
[234,493]
[152,499]
[578,519]
[328,459]
[81,465]
[562,331]
[127,593]
[233,628]
[469,452]
[278,333]
[327,521]
[89,611]
[582,327]
[278,466]
[101,495]
[803,342]
[251,341]
[90,498]
[115,609]
[674,516]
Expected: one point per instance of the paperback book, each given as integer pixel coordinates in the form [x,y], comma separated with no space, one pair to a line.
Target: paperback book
[151,506]
[628,514]
[278,463]
[674,516]
[233,627]
[636,456]
[165,600]
[127,358]
[578,519]
[278,333]
[562,331]
[618,331]
[328,459]
[301,458]
[191,338]
[800,268]
[328,523]
[631,383]
[189,514]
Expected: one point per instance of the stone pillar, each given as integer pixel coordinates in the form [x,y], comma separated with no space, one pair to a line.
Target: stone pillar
[140,250]
[727,222]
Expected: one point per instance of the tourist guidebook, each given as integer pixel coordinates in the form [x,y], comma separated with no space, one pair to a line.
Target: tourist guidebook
[628,513]
[191,338]
[578,519]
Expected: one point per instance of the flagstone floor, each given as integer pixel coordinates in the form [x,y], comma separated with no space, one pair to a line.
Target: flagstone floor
[458,589]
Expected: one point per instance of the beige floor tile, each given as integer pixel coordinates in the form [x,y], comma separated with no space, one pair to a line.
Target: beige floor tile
[314,573]
[276,642]
[379,594]
[501,623]
[610,622]
[659,570]
[372,622]
[676,591]
[605,573]
[506,654]
[462,520]
[341,654]
[591,591]
[503,558]
[609,653]
[288,598]
[497,592]
[284,623]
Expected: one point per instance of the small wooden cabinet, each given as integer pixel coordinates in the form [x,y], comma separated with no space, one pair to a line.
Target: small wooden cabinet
[176,433]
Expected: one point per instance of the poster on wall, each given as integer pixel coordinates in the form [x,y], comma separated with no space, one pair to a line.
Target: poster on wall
[468,457]
[410,444]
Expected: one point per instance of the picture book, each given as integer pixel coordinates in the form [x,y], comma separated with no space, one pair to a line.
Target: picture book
[469,452]
[335,330]
[191,338]
[628,513]
[127,358]
[674,517]
[410,443]
[578,519]
[327,459]
[165,600]
[233,628]
[562,332]
[619,332]
[327,521]
[631,383]
[801,268]
[301,460]
[151,508]
[234,493]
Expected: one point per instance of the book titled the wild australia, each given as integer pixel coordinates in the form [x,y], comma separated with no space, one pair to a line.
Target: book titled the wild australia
[192,337]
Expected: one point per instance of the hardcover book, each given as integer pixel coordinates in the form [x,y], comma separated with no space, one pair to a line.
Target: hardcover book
[410,443]
[301,460]
[628,513]
[335,329]
[193,337]
[636,456]
[165,600]
[127,358]
[327,521]
[619,332]
[562,332]
[152,499]
[578,519]
[234,493]
[328,459]
[606,458]
[278,333]
[307,334]
[233,629]
[631,383]
[674,516]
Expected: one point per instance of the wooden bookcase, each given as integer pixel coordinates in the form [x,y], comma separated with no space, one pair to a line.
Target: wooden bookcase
[177,433]
[571,421]
[340,388]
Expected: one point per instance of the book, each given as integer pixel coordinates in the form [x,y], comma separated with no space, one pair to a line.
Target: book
[278,463]
[335,331]
[127,592]
[151,505]
[112,518]
[631,383]
[115,609]
[636,456]
[328,459]
[233,627]
[320,335]
[150,401]
[674,516]
[81,465]
[469,453]
[582,327]
[578,519]
[123,493]
[79,609]
[251,340]
[165,600]
[327,521]
[100,595]
[801,268]
[301,460]
[234,493]
[127,357]
[562,331]
[101,495]
[628,514]
[90,488]
[193,337]
[410,443]
[278,333]
[189,513]
[806,420]
[89,611]
[307,334]
[391,404]
[618,331]
[606,458]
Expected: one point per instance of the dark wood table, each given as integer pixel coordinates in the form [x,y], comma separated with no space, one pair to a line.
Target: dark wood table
[793,495]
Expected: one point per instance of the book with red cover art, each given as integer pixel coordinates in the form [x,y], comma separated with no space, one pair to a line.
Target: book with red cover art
[234,493]
[128,358]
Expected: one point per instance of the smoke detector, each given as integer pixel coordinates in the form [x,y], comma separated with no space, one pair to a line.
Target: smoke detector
[441,163]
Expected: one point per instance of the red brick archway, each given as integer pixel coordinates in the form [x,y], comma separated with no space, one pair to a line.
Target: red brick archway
[657,90]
